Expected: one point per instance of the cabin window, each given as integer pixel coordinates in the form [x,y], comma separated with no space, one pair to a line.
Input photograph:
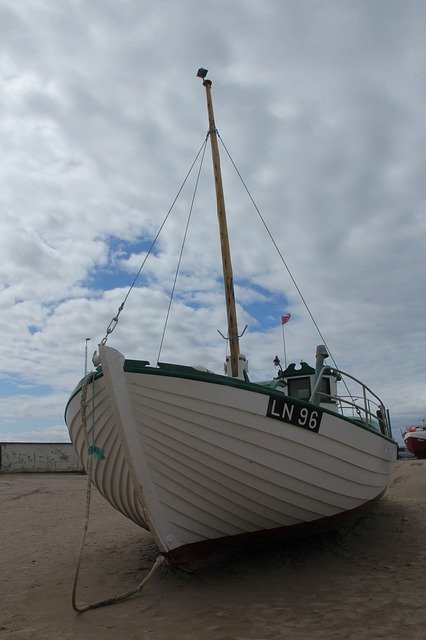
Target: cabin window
[325,387]
[299,388]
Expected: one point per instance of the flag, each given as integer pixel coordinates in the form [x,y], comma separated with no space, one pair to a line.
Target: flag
[285,318]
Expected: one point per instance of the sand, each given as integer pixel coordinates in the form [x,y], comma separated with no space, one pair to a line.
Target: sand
[368,581]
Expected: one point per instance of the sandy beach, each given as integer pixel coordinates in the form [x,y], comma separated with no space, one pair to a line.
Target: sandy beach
[368,581]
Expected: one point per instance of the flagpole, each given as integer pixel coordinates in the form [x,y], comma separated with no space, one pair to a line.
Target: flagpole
[284,319]
[285,353]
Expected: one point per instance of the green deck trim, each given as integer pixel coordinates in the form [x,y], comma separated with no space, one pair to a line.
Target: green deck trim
[190,373]
[291,371]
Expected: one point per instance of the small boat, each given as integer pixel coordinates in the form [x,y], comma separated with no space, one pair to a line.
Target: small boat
[208,462]
[415,439]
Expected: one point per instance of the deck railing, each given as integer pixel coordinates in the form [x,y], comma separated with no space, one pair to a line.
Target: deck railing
[362,404]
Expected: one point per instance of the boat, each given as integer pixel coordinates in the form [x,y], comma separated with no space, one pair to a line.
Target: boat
[414,438]
[210,462]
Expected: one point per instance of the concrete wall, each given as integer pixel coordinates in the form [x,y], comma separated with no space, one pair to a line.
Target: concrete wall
[39,457]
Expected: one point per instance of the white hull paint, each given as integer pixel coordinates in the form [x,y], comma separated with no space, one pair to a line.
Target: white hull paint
[194,461]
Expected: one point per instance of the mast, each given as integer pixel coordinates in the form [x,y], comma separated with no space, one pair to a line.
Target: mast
[228,279]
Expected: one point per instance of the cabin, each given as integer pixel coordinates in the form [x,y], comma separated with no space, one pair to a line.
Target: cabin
[299,383]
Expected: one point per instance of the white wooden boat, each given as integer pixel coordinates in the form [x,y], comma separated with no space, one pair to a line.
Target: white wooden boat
[207,461]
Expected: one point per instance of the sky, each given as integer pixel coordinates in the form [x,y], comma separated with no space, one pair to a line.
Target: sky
[320,105]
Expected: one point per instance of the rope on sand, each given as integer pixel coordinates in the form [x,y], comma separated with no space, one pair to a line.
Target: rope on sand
[160,558]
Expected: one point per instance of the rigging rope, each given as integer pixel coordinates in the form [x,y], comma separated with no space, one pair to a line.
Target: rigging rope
[114,320]
[283,261]
[278,250]
[182,248]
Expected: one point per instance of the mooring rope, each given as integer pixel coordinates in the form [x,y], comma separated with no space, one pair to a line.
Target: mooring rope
[93,450]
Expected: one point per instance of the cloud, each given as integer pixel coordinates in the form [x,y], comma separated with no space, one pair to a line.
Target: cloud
[320,105]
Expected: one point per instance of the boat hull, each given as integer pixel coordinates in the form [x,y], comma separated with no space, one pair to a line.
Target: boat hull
[415,441]
[205,464]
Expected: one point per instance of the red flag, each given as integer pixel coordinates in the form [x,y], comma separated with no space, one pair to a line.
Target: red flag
[285,318]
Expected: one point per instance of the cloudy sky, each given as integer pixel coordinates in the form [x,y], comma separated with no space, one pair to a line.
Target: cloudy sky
[321,105]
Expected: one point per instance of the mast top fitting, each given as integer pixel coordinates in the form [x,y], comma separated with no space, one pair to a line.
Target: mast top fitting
[201,73]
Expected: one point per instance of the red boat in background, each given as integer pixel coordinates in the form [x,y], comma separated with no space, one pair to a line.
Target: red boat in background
[415,440]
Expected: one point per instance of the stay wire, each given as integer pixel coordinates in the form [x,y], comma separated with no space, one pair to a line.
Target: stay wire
[284,263]
[278,251]
[191,208]
[114,320]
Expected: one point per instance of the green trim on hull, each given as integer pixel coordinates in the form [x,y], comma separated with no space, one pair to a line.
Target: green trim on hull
[190,373]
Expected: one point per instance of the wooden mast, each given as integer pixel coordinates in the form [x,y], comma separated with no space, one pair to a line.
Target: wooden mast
[228,279]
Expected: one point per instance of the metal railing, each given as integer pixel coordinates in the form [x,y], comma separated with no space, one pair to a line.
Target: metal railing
[363,405]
